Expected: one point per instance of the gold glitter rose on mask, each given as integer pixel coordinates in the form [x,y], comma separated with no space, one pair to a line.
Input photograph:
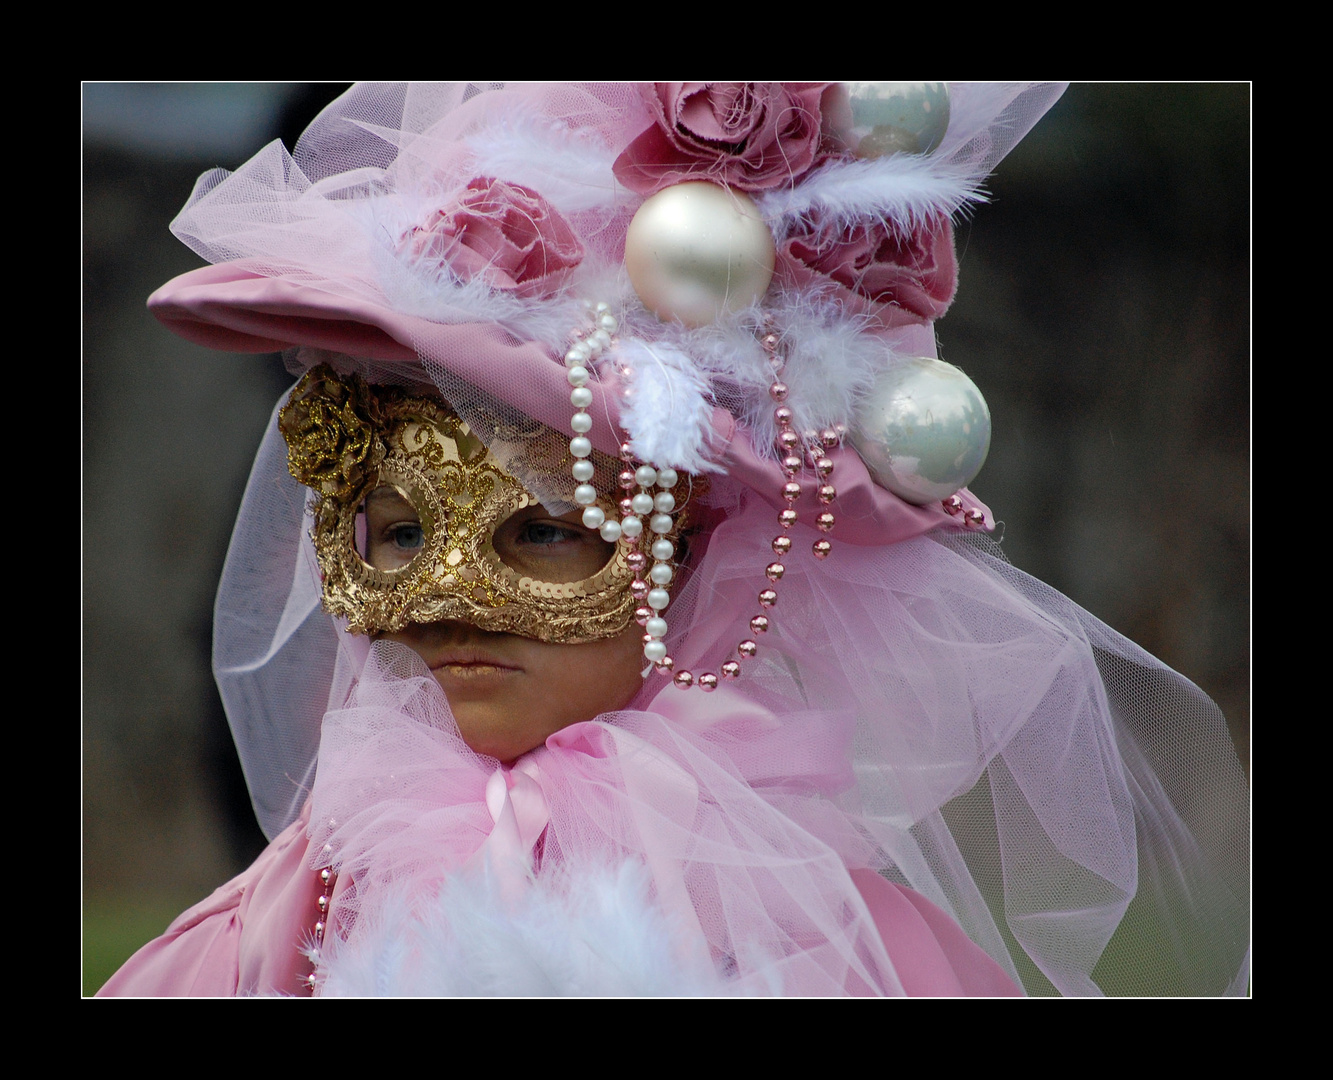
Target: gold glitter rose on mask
[331,442]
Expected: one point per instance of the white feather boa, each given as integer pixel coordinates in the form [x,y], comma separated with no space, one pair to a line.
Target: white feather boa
[566,934]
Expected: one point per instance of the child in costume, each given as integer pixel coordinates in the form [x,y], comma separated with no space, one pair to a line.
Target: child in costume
[805,733]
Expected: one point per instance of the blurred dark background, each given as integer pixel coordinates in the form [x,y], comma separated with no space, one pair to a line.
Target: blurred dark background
[1103,309]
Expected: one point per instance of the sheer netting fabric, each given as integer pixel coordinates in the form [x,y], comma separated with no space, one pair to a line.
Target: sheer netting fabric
[922,709]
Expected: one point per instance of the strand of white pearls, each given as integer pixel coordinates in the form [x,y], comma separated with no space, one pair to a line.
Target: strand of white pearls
[640,500]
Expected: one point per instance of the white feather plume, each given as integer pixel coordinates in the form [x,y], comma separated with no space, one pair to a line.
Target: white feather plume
[570,168]
[575,934]
[902,190]
[666,408]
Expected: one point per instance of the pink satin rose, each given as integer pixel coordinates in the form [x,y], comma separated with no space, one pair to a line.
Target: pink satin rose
[503,233]
[752,136]
[916,272]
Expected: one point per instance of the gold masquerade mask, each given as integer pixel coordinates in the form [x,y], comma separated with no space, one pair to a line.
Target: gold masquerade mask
[417,521]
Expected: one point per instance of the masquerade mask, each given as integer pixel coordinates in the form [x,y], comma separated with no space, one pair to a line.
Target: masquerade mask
[416,520]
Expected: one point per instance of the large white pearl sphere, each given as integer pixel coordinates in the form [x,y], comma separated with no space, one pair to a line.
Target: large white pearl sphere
[923,430]
[696,250]
[896,117]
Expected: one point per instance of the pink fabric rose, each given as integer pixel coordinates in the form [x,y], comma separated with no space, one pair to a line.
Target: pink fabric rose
[503,233]
[752,136]
[916,272]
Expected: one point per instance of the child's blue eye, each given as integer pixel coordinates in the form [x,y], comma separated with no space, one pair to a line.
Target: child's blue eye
[407,537]
[546,532]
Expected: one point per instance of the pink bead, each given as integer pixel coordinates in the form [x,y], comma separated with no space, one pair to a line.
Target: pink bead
[730,669]
[768,598]
[791,491]
[781,545]
[708,682]
[774,571]
[747,649]
[769,342]
[824,522]
[787,518]
[638,588]
[829,438]
[778,391]
[827,493]
[953,504]
[642,614]
[636,561]
[759,624]
[782,416]
[976,517]
[822,548]
[665,665]
[684,680]
[626,452]
[788,439]
[791,464]
[824,466]
[626,480]
[626,507]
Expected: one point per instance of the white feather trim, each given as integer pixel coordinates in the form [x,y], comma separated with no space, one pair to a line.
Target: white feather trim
[902,190]
[666,409]
[568,934]
[570,168]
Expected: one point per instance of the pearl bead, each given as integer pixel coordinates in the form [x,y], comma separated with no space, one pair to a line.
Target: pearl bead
[610,531]
[768,598]
[658,599]
[577,376]
[708,682]
[608,322]
[581,422]
[663,549]
[666,478]
[600,341]
[580,447]
[642,503]
[585,494]
[631,526]
[661,523]
[923,430]
[583,470]
[695,251]
[656,626]
[821,549]
[655,651]
[661,573]
[759,624]
[684,680]
[580,397]
[884,118]
[747,649]
[593,517]
[577,356]
[664,502]
[645,476]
